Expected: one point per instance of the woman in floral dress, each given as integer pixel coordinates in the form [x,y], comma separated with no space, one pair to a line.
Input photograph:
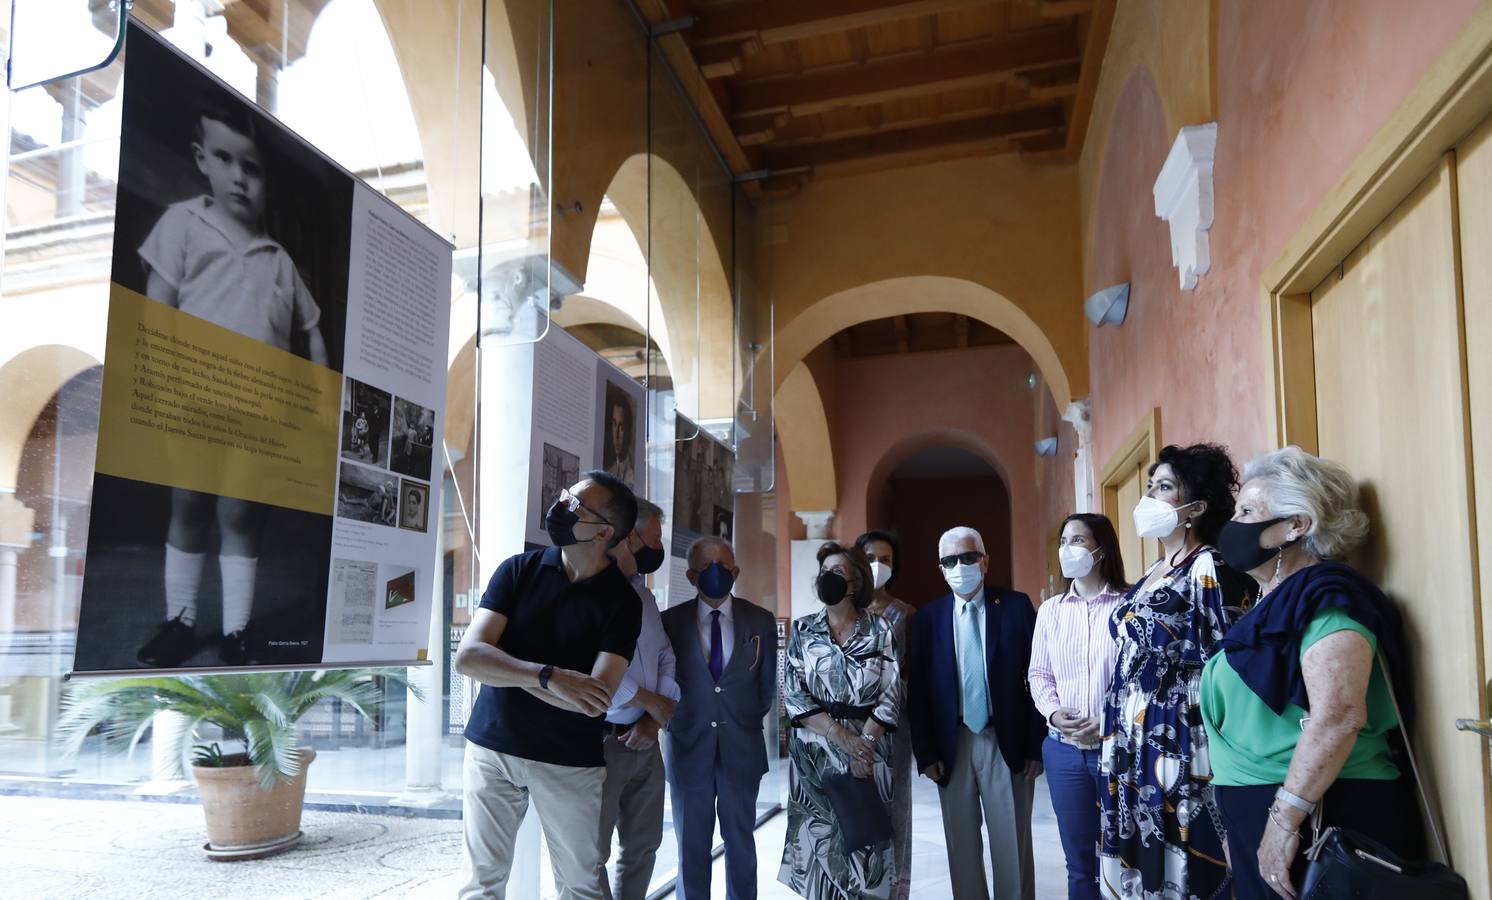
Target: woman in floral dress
[843,694]
[1162,833]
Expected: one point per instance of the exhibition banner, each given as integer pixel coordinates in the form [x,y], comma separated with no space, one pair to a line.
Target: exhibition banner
[273,397]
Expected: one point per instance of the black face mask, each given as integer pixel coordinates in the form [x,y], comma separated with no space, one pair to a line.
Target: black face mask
[649,560]
[1239,544]
[832,587]
[560,523]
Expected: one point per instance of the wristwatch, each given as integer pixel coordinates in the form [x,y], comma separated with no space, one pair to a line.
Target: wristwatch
[544,674]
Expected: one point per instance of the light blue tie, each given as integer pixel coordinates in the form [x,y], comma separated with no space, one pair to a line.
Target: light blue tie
[975,689]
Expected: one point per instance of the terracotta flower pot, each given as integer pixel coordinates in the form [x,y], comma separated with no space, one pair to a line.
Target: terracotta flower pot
[244,821]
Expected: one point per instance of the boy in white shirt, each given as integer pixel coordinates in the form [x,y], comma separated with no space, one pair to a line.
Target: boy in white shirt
[210,256]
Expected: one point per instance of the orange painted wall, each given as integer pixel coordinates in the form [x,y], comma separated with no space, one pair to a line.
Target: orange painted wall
[1301,88]
[889,407]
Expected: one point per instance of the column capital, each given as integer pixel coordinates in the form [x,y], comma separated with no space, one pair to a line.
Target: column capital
[817,522]
[16,522]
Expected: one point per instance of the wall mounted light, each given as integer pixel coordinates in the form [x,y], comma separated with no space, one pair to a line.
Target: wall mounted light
[1046,447]
[1108,306]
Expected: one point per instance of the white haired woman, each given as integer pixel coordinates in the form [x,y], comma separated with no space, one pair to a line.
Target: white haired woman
[1296,712]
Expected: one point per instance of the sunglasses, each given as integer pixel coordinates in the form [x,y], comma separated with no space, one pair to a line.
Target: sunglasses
[573,503]
[968,558]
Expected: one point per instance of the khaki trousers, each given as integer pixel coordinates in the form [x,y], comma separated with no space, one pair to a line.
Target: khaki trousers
[631,806]
[981,783]
[496,789]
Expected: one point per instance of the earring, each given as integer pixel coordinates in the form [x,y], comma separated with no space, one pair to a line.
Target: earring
[1188,523]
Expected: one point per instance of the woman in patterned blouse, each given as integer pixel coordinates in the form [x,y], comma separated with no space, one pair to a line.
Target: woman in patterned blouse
[842,689]
[1162,833]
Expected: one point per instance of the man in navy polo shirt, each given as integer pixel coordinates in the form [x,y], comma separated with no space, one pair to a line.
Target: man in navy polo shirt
[549,643]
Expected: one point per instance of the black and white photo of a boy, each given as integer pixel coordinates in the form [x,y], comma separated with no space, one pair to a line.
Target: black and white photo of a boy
[211,257]
[414,510]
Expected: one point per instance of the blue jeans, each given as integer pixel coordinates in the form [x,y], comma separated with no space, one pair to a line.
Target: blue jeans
[1077,790]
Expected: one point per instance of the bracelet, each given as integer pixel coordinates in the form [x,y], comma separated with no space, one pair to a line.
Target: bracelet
[868,736]
[1281,825]
[1300,803]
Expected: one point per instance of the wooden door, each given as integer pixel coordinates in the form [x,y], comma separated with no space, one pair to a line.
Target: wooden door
[1390,405]
[1123,484]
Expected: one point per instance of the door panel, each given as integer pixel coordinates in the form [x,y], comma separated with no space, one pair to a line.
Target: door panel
[1390,406]
[1474,202]
[1122,516]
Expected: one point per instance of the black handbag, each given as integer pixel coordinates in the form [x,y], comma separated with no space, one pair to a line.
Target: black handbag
[1348,864]
[862,818]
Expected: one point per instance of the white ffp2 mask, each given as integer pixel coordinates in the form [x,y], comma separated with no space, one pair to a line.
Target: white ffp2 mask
[882,573]
[1155,518]
[1076,561]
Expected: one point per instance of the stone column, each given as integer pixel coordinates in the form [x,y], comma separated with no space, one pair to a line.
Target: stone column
[424,738]
[16,523]
[1084,496]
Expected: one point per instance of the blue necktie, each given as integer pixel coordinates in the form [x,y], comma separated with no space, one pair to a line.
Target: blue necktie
[717,646]
[971,653]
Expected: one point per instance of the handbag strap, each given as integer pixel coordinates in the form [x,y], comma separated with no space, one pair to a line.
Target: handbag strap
[1419,782]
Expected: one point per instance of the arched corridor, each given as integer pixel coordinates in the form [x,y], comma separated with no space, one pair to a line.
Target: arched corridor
[792,272]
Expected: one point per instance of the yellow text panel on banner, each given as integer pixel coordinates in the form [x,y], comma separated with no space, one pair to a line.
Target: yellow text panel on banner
[190,404]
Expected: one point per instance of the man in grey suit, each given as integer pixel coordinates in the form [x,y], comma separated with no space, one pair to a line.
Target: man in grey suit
[715,753]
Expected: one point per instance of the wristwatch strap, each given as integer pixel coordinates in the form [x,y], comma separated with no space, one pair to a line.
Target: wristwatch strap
[1295,800]
[544,674]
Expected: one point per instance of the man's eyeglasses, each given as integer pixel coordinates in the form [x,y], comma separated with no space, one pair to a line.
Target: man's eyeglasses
[968,558]
[574,503]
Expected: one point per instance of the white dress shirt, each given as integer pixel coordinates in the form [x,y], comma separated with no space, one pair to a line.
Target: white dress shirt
[727,630]
[652,666]
[973,606]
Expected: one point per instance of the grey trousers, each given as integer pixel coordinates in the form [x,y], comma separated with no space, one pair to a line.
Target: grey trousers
[631,806]
[981,783]
[496,789]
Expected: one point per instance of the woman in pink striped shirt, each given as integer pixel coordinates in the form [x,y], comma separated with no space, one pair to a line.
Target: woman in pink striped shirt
[1072,660]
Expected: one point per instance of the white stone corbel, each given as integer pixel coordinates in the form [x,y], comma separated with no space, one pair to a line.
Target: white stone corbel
[1183,197]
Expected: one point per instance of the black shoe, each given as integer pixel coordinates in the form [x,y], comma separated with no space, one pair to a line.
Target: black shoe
[234,649]
[171,646]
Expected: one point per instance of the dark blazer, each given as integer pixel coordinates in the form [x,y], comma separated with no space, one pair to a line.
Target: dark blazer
[721,720]
[933,689]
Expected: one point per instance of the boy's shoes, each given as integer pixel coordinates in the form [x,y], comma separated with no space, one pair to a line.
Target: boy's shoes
[235,648]
[170,647]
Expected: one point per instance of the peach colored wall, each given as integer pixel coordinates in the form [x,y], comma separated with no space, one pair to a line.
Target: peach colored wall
[1301,88]
[889,407]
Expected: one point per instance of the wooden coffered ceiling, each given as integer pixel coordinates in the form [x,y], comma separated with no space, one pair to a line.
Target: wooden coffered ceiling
[795,87]
[915,333]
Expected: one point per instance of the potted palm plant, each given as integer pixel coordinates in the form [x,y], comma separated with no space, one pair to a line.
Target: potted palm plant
[252,799]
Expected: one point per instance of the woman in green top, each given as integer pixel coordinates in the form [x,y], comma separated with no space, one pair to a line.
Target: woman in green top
[1296,712]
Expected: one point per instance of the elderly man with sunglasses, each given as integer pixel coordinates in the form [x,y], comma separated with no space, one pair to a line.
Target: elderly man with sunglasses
[975,729]
[549,643]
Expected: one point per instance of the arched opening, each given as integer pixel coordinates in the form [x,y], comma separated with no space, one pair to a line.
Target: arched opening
[927,493]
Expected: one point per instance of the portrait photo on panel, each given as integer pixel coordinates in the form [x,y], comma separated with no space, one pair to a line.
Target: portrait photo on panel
[619,434]
[224,213]
[413,439]
[365,423]
[367,495]
[414,505]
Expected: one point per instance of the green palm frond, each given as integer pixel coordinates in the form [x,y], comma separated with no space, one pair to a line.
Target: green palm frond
[259,709]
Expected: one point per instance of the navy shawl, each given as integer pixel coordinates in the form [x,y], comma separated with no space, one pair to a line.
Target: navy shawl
[1263,647]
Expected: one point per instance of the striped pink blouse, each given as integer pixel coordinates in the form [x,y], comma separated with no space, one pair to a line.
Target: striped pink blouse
[1072,653]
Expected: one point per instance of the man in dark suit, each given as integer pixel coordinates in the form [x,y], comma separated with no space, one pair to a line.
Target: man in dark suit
[714,752]
[975,729]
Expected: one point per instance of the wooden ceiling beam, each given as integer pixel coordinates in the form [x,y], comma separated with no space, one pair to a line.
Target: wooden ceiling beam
[968,65]
[714,115]
[788,132]
[903,334]
[988,129]
[1100,24]
[784,21]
